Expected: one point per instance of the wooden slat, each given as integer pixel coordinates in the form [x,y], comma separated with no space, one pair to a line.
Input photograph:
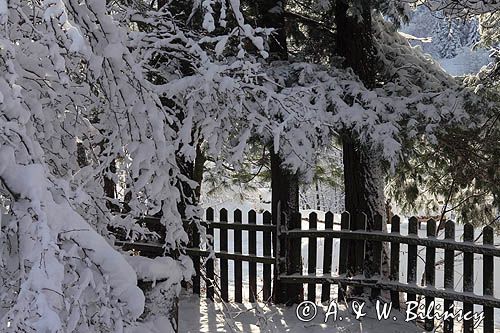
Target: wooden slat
[312,256]
[232,256]
[396,286]
[395,227]
[252,250]
[195,243]
[377,255]
[238,264]
[294,259]
[488,278]
[343,255]
[440,293]
[244,227]
[154,224]
[430,274]
[468,276]
[224,281]
[360,223]
[209,281]
[449,275]
[327,258]
[333,279]
[411,270]
[158,249]
[266,290]
[387,237]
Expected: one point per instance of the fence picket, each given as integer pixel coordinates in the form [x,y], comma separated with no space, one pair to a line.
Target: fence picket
[468,276]
[395,227]
[430,274]
[195,243]
[377,255]
[209,281]
[488,273]
[412,258]
[449,275]
[267,219]
[343,255]
[224,282]
[312,256]
[252,250]
[359,249]
[294,258]
[327,258]
[238,264]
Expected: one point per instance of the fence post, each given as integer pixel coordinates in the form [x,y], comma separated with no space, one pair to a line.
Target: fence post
[488,273]
[267,220]
[359,250]
[395,247]
[238,264]
[327,258]
[449,274]
[209,281]
[344,248]
[279,245]
[195,243]
[412,258]
[312,256]
[224,282]
[430,273]
[468,276]
[252,250]
[288,260]
[377,255]
[295,291]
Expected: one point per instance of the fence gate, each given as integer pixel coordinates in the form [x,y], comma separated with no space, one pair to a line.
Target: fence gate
[252,245]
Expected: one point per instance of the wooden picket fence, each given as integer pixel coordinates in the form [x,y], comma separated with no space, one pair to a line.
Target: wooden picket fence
[354,237]
[223,255]
[353,269]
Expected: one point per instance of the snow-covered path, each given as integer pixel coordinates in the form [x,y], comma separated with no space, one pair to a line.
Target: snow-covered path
[198,315]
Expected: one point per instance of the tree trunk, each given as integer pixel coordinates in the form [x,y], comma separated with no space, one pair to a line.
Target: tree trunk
[363,172]
[285,213]
[284,185]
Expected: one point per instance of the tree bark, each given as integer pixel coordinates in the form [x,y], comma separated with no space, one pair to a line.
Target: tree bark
[285,213]
[284,185]
[363,172]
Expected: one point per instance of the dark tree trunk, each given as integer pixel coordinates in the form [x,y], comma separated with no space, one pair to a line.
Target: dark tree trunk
[284,185]
[363,173]
[199,163]
[362,170]
[285,214]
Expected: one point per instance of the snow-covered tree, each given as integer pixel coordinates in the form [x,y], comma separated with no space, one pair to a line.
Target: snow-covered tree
[76,98]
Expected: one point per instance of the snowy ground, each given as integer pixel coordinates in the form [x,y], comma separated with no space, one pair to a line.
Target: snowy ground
[197,315]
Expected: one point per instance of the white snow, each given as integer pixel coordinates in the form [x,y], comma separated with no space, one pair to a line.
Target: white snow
[199,315]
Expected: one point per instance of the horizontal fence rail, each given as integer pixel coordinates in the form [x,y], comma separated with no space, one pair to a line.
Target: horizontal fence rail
[392,238]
